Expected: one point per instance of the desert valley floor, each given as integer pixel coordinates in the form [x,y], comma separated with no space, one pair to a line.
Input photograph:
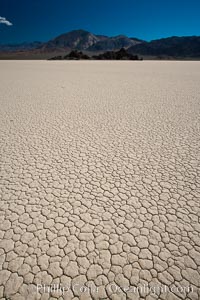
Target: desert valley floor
[100,180]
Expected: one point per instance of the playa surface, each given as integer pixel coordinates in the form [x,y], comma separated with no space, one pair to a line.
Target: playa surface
[99,180]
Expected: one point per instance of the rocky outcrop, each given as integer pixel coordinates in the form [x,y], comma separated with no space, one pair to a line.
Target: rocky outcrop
[76,55]
[122,54]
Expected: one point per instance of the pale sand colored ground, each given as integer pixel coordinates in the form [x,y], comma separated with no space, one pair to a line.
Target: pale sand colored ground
[99,178]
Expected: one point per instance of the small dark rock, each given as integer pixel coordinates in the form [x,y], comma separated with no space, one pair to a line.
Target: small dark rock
[74,54]
[59,57]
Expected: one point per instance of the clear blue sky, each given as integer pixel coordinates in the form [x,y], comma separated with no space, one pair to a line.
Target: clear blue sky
[41,20]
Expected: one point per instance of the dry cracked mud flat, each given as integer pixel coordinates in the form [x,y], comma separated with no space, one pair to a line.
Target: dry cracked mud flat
[99,180]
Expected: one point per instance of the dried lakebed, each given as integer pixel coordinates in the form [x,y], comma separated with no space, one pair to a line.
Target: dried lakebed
[99,180]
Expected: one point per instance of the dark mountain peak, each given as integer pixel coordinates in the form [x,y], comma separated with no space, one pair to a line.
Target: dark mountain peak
[183,47]
[176,39]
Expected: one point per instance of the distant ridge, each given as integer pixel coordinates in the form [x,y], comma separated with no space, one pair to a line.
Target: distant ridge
[21,46]
[187,47]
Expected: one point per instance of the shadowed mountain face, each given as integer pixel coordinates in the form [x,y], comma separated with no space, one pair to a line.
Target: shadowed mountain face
[172,47]
[77,39]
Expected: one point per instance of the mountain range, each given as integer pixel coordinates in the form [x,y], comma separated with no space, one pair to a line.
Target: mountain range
[166,48]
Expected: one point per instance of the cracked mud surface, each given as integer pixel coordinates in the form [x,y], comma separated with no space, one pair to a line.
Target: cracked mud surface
[99,179]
